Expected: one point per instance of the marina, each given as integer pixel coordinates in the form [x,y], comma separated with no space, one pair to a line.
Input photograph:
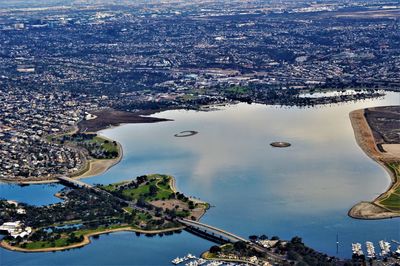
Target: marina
[191,260]
[384,246]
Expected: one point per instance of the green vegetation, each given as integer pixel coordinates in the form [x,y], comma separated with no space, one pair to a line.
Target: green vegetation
[109,146]
[97,147]
[62,242]
[145,203]
[391,199]
[237,90]
[146,188]
[64,239]
[285,253]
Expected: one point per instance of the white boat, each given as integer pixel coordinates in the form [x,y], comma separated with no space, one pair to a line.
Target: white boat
[215,263]
[356,248]
[398,250]
[370,249]
[190,256]
[196,262]
[201,261]
[385,248]
[177,260]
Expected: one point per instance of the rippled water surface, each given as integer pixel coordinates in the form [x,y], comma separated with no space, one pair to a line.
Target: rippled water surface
[303,190]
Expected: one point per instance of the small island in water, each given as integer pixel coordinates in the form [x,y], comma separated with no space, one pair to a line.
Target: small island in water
[186,133]
[149,204]
[280,144]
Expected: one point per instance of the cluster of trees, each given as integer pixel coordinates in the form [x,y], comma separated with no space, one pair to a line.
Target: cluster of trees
[48,236]
[8,212]
[82,204]
[240,248]
[290,97]
[95,149]
[76,137]
[303,255]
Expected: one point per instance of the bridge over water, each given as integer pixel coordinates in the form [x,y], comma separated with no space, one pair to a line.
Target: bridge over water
[212,231]
[74,182]
[204,230]
[219,235]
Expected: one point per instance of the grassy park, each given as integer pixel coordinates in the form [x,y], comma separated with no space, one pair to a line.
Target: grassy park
[391,199]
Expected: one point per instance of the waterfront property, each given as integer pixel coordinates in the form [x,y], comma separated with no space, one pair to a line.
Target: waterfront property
[286,199]
[16,229]
[98,209]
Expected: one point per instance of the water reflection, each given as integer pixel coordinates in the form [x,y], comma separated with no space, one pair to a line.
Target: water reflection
[304,190]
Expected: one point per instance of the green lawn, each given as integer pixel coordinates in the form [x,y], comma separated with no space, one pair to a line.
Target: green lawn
[113,187]
[144,217]
[102,143]
[105,144]
[392,201]
[163,189]
[237,90]
[136,193]
[62,242]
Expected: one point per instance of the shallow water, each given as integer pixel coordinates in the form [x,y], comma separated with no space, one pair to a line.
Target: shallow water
[303,190]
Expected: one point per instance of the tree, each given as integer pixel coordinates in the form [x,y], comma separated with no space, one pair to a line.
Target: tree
[141,202]
[253,237]
[153,190]
[240,245]
[296,240]
[292,255]
[215,249]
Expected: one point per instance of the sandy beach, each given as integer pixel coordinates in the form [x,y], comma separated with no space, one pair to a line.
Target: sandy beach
[92,168]
[98,167]
[366,141]
[104,118]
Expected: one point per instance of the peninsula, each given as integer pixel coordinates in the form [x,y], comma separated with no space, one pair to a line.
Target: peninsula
[85,153]
[376,131]
[149,204]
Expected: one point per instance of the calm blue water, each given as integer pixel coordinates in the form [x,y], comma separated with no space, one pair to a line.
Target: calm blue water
[121,248]
[304,190]
[42,194]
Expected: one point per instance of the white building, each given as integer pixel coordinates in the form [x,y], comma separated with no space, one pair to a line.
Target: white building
[16,229]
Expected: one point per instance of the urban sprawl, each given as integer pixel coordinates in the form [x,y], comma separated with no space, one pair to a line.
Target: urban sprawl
[58,64]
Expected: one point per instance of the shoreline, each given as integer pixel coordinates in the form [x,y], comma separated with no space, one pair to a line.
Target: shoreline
[87,236]
[204,255]
[100,166]
[371,210]
[87,239]
[93,167]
